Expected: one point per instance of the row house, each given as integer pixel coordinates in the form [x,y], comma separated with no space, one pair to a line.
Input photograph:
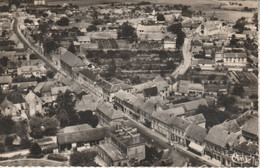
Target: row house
[89,78]
[28,71]
[108,115]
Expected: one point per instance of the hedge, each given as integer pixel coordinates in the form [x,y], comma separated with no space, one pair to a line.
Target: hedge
[47,150]
[3,158]
[57,157]
[36,156]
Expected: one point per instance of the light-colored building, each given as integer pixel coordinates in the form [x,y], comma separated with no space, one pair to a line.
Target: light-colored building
[33,103]
[39,2]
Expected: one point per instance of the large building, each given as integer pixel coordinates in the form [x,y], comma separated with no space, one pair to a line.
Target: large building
[39,2]
[124,144]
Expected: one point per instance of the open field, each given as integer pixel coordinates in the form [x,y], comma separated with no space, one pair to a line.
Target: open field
[31,162]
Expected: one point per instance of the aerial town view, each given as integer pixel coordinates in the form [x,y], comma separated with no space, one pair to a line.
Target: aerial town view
[129,83]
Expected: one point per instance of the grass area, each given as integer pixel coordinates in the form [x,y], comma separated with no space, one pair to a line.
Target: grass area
[31,162]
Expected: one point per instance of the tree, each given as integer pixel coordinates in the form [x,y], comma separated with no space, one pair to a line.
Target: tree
[6,124]
[9,140]
[177,29]
[212,77]
[240,24]
[186,12]
[233,40]
[21,128]
[50,45]
[3,61]
[225,101]
[92,28]
[94,121]
[35,149]
[50,126]
[45,14]
[126,31]
[64,21]
[112,68]
[2,71]
[82,158]
[72,48]
[160,17]
[36,126]
[65,111]
[15,97]
[85,116]
[43,27]
[238,90]
[14,2]
[50,74]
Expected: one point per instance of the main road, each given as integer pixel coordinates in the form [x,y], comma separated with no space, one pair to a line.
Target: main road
[186,59]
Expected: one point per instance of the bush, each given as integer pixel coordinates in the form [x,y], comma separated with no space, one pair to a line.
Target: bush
[35,149]
[48,150]
[9,140]
[25,143]
[57,157]
[36,156]
[3,158]
[2,148]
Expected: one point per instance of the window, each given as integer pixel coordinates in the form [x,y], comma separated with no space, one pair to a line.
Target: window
[37,103]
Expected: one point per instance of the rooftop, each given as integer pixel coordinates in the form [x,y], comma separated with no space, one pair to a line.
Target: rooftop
[251,126]
[196,132]
[112,151]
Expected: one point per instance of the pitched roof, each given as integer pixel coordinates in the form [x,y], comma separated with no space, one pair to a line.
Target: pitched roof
[150,92]
[158,78]
[179,123]
[197,119]
[72,60]
[161,85]
[192,105]
[85,134]
[196,86]
[89,74]
[45,86]
[5,79]
[196,132]
[251,126]
[30,97]
[108,110]
[220,136]
[55,90]
[235,55]
[87,102]
[112,88]
[175,111]
[83,38]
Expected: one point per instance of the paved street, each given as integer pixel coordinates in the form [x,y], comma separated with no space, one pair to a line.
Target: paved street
[186,59]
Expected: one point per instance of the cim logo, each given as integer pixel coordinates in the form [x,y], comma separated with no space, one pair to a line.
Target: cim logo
[236,158]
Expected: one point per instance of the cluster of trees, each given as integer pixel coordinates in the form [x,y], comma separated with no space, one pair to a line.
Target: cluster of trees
[83,158]
[91,28]
[65,113]
[128,32]
[185,11]
[160,17]
[41,126]
[177,29]
[240,24]
[49,45]
[28,21]
[64,21]
[238,90]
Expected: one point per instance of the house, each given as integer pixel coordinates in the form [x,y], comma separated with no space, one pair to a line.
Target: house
[187,88]
[15,110]
[149,92]
[191,106]
[56,90]
[43,89]
[195,136]
[177,131]
[83,39]
[250,129]
[89,78]
[71,62]
[5,81]
[39,2]
[198,119]
[220,139]
[28,71]
[169,44]
[234,59]
[34,104]
[87,102]
[109,89]
[77,135]
[210,28]
[127,144]
[161,120]
[108,115]
[163,88]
